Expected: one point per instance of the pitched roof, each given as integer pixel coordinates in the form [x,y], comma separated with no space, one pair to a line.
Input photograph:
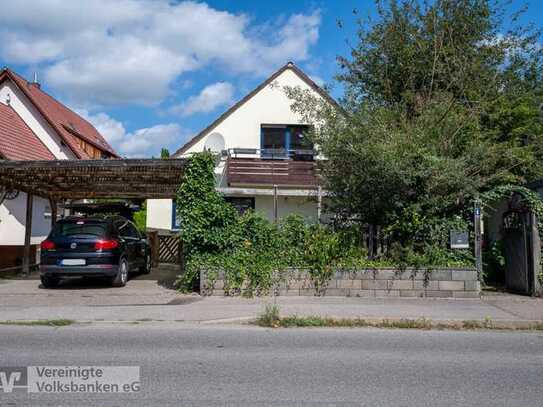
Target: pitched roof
[68,124]
[17,140]
[288,65]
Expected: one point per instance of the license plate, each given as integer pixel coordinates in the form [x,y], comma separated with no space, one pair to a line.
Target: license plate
[73,262]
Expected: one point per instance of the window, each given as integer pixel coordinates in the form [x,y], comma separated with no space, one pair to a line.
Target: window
[300,145]
[128,230]
[79,228]
[283,141]
[241,204]
[176,220]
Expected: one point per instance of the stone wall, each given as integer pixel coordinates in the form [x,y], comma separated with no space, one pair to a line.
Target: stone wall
[441,282]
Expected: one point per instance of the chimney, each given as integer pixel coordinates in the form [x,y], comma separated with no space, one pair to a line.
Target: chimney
[35,82]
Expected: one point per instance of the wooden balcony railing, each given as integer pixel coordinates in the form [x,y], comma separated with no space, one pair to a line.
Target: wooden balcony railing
[284,171]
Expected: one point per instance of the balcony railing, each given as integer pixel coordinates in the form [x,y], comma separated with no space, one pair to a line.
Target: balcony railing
[256,167]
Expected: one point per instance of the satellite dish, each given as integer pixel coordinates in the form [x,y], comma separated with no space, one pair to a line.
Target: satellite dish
[214,143]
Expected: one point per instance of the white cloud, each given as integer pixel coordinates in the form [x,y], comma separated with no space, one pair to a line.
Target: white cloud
[147,142]
[131,51]
[211,97]
[144,142]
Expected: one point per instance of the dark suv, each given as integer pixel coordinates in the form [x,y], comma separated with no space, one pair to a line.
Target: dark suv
[108,247]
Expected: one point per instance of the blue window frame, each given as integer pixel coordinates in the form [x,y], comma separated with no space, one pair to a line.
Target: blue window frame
[176,222]
[284,141]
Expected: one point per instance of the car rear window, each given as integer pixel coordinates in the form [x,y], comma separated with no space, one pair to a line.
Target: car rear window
[80,229]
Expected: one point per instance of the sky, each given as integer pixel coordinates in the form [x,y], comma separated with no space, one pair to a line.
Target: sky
[153,73]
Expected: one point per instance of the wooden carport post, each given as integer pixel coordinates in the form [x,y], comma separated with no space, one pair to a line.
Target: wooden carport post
[28,233]
[54,211]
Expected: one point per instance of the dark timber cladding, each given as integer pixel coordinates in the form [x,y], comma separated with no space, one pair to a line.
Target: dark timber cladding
[79,179]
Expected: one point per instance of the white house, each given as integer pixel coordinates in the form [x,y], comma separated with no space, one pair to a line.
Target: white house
[266,162]
[35,126]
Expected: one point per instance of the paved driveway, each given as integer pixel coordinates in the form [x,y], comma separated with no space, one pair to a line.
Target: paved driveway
[140,290]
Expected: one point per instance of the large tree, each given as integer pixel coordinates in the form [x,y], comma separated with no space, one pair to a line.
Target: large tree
[442,102]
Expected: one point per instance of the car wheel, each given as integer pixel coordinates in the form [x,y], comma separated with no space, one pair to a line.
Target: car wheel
[121,277]
[146,269]
[49,282]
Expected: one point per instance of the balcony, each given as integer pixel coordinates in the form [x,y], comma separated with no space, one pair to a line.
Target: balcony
[254,167]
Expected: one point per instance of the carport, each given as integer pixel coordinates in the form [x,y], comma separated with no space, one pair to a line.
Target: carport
[61,180]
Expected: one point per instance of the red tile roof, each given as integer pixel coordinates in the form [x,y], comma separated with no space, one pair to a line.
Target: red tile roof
[17,141]
[68,124]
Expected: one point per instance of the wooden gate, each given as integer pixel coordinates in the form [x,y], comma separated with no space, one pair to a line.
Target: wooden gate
[522,249]
[168,249]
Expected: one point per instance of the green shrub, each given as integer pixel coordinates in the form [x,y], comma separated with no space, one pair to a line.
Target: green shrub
[254,253]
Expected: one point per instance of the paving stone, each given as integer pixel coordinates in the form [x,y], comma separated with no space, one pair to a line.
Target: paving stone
[472,285]
[219,285]
[451,285]
[430,285]
[356,284]
[464,275]
[439,294]
[368,275]
[466,294]
[387,293]
[362,293]
[337,292]
[400,284]
[374,284]
[385,275]
[441,275]
[412,293]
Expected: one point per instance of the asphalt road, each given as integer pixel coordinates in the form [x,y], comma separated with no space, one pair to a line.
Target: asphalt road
[195,365]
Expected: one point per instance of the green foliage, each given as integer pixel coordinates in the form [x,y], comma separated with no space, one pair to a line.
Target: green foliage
[164,153]
[270,317]
[205,216]
[494,263]
[441,105]
[321,256]
[254,254]
[140,219]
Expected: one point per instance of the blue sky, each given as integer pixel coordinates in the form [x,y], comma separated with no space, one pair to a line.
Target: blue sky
[152,73]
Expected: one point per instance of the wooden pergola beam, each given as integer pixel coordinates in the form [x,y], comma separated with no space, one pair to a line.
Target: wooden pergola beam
[59,180]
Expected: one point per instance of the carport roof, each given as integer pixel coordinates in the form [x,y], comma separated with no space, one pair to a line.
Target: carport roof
[79,179]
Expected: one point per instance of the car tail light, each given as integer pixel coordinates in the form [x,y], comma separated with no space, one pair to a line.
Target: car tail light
[47,245]
[106,244]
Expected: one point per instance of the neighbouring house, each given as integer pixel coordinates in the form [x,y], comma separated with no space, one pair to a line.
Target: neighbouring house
[35,126]
[266,161]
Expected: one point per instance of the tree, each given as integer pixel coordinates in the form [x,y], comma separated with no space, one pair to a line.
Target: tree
[441,103]
[164,153]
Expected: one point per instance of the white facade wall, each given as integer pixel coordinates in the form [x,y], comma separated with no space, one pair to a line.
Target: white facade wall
[159,214]
[12,213]
[286,205]
[33,119]
[269,106]
[241,129]
[12,221]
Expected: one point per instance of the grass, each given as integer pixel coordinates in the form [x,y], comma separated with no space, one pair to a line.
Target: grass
[320,322]
[40,322]
[271,318]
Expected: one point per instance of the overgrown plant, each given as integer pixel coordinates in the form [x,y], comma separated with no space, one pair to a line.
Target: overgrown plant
[253,255]
[436,111]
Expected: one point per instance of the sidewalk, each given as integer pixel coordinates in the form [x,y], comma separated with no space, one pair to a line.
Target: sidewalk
[145,300]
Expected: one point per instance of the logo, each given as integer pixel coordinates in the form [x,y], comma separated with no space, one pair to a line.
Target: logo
[13,378]
[70,379]
[73,245]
